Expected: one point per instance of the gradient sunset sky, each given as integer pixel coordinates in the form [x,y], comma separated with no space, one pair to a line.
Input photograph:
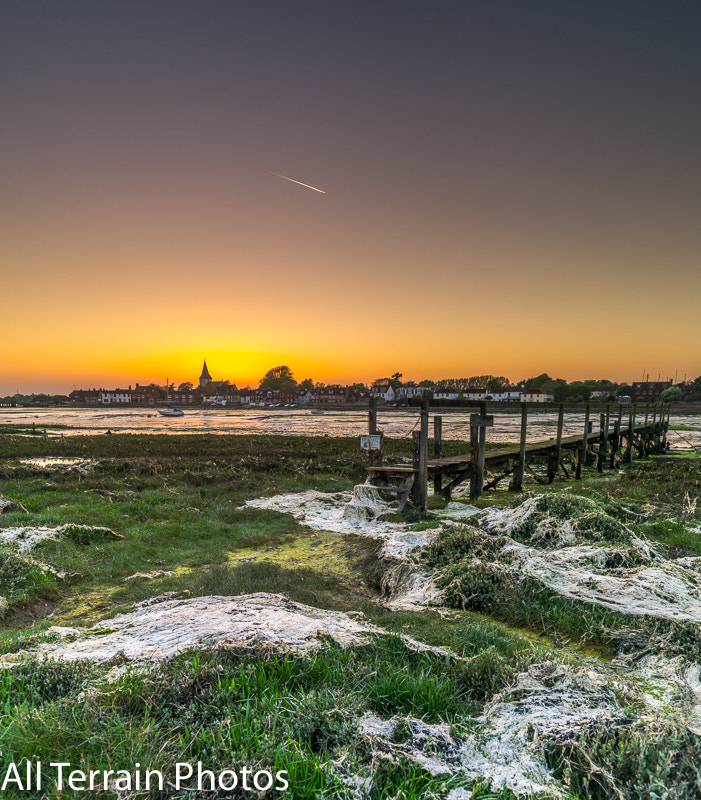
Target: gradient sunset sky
[508,188]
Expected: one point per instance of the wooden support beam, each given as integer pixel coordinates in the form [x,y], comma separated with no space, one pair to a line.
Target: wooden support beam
[645,449]
[437,452]
[663,427]
[614,443]
[437,437]
[654,431]
[585,444]
[372,416]
[478,439]
[631,434]
[520,466]
[616,437]
[554,463]
[602,443]
[420,488]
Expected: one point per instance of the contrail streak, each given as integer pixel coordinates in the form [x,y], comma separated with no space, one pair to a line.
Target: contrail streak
[299,182]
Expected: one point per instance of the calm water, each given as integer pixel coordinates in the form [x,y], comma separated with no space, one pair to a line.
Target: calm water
[301,422]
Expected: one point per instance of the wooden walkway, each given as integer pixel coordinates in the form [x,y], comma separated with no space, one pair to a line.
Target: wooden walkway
[614,443]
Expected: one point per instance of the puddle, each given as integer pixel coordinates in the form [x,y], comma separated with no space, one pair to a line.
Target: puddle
[49,464]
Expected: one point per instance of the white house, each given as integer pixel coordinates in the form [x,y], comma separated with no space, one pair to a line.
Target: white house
[115,396]
[384,391]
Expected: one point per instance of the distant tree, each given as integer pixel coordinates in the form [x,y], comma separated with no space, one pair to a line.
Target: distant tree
[381,381]
[307,385]
[185,387]
[672,395]
[624,390]
[559,388]
[426,384]
[539,382]
[358,387]
[278,378]
[497,384]
[694,392]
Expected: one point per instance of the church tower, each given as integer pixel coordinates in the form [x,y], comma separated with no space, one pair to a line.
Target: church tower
[205,377]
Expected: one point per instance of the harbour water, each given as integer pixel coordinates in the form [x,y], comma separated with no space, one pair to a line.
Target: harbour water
[395,423]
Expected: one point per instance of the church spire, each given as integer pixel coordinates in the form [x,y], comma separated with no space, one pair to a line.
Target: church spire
[205,377]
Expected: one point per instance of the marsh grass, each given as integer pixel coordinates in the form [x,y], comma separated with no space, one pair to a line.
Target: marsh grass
[230,706]
[176,501]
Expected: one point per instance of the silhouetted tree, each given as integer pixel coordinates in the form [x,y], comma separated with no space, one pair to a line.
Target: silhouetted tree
[278,378]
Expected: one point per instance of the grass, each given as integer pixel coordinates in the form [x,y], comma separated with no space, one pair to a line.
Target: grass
[225,707]
[175,501]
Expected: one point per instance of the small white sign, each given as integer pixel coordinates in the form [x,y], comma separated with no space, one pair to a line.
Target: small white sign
[371,442]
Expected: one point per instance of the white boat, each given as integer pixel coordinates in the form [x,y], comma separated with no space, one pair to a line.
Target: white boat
[169,410]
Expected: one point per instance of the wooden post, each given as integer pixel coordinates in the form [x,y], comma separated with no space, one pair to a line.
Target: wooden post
[614,443]
[616,438]
[645,440]
[585,444]
[630,455]
[482,443]
[558,445]
[654,433]
[665,427]
[602,443]
[372,416]
[478,439]
[420,488]
[606,435]
[520,467]
[437,452]
[437,437]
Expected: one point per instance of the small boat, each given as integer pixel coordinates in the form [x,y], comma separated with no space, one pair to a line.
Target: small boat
[171,411]
[317,411]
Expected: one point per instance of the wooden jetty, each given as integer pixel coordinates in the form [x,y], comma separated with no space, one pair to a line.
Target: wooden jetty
[620,439]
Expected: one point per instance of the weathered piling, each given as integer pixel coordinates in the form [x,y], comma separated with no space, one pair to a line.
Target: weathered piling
[372,416]
[520,465]
[419,491]
[437,452]
[478,440]
[602,443]
[554,460]
[584,449]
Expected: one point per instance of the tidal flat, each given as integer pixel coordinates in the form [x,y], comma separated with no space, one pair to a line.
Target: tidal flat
[155,613]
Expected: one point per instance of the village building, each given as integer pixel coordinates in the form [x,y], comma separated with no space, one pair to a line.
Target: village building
[145,395]
[411,392]
[649,391]
[84,397]
[331,394]
[537,396]
[114,397]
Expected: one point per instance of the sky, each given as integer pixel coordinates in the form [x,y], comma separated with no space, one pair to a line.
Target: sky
[507,188]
